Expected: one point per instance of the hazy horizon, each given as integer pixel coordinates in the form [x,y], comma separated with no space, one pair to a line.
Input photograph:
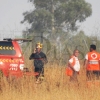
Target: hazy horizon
[12,14]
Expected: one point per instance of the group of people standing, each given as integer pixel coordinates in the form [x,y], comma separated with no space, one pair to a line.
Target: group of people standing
[91,63]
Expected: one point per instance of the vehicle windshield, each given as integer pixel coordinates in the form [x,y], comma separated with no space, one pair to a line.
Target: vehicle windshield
[7,48]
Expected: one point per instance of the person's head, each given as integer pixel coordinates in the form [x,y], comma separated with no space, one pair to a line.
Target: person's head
[76,52]
[92,47]
[38,47]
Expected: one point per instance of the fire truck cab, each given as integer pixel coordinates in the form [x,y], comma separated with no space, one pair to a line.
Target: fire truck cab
[11,58]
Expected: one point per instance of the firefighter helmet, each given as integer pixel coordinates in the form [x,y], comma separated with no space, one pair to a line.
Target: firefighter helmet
[38,45]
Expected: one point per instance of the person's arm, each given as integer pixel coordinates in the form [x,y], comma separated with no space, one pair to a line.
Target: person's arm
[45,59]
[70,64]
[85,61]
[32,55]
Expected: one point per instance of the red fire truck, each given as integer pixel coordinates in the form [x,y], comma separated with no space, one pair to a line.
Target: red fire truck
[11,58]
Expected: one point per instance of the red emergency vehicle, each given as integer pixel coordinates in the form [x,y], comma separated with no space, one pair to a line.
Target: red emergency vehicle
[11,58]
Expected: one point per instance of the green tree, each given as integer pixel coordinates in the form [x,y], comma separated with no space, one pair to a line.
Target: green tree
[54,15]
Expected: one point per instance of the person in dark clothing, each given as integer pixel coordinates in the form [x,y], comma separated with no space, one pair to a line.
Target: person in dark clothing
[39,60]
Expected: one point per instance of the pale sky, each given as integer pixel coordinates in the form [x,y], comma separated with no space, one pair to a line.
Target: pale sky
[11,15]
[92,24]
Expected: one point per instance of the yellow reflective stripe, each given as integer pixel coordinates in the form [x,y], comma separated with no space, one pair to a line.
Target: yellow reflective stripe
[6,60]
[6,47]
[1,47]
[16,60]
[9,60]
[12,61]
[10,48]
[13,48]
[3,60]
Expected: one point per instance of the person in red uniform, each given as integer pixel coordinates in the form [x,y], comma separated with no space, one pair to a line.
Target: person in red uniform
[92,64]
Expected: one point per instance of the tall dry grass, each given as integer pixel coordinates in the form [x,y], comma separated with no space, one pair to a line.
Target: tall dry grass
[56,86]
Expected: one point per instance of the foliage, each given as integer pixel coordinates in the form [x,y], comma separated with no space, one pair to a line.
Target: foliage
[59,17]
[52,15]
[56,86]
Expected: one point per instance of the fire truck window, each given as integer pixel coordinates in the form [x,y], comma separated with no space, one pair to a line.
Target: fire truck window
[7,48]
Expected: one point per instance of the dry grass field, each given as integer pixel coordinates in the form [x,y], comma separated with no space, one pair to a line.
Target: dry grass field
[56,86]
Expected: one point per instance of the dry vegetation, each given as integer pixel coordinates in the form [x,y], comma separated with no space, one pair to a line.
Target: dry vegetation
[56,86]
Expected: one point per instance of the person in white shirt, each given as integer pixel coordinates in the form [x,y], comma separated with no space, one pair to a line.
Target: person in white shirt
[74,65]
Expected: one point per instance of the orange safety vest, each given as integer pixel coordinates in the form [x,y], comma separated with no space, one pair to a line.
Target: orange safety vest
[93,60]
[69,71]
